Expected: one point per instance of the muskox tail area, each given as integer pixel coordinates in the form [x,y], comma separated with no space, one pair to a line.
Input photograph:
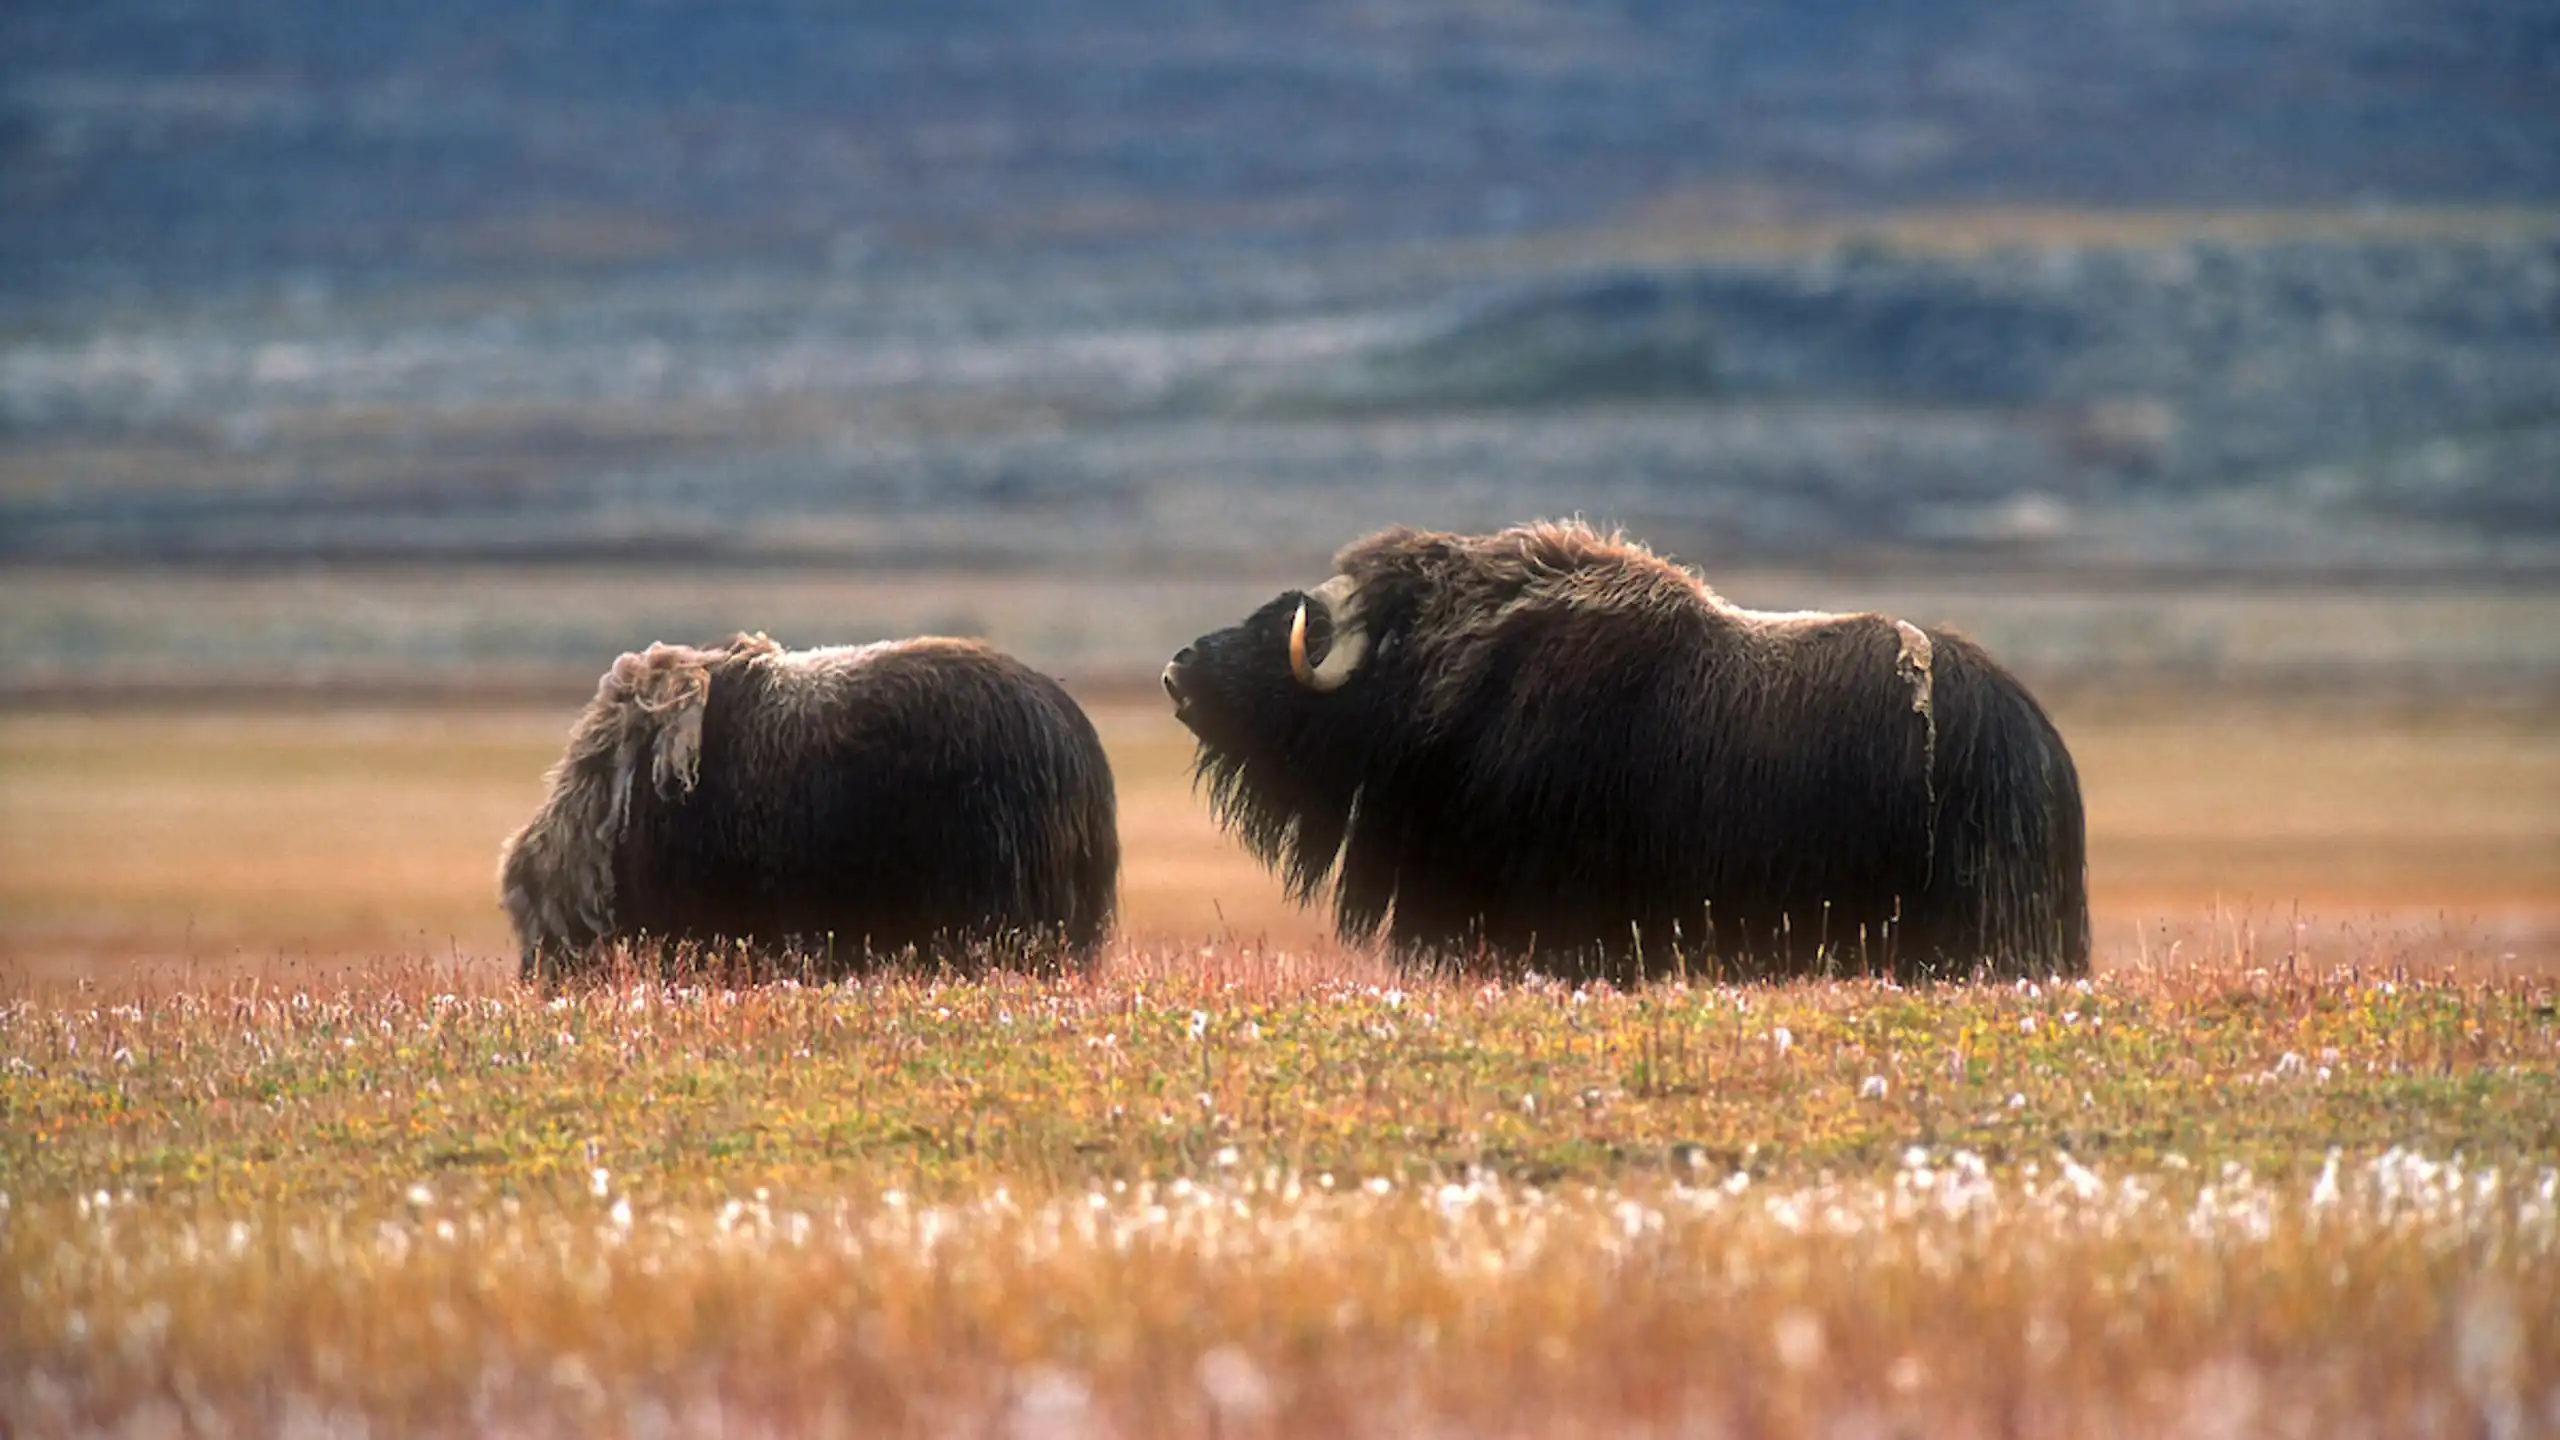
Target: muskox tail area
[2008,893]
[555,876]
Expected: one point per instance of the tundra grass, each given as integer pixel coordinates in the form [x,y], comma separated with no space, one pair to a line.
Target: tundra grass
[1225,1191]
[233,836]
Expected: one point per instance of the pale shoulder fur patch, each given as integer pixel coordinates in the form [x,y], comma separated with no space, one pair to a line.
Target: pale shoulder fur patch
[656,699]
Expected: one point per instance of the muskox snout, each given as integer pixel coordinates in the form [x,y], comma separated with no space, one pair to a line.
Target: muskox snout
[1173,676]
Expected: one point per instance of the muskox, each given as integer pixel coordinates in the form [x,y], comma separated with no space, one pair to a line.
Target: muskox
[928,796]
[1550,749]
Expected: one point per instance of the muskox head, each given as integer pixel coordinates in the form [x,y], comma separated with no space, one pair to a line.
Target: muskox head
[1281,705]
[1340,693]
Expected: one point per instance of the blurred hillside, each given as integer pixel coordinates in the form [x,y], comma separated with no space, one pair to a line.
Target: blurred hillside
[2249,287]
[170,146]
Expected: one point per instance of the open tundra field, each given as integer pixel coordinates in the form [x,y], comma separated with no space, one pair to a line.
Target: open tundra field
[284,1147]
[1226,1191]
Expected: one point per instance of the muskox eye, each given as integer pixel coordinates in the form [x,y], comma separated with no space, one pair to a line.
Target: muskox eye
[1319,634]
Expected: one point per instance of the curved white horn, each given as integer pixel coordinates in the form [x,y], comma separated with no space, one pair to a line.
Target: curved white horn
[1350,641]
[1298,647]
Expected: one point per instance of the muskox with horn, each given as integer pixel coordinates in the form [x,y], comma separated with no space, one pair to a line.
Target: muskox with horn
[842,803]
[1551,748]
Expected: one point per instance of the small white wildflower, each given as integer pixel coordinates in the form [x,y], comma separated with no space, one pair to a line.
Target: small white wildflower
[1782,1039]
[599,1182]
[2046,1338]
[1797,1337]
[420,1195]
[2084,1182]
[1238,1391]
[1050,1400]
[1874,1087]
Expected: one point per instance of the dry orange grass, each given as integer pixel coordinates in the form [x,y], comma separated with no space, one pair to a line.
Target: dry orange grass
[1245,1194]
[319,836]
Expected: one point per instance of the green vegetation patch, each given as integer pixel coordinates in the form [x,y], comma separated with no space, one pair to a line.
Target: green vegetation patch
[944,1088]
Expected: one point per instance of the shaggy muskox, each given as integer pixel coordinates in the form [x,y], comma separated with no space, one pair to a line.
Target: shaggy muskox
[1549,748]
[838,803]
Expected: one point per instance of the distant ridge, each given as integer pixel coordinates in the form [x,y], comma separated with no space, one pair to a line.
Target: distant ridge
[155,143]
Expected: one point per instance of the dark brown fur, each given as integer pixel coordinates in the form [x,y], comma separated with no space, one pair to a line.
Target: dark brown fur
[928,795]
[1560,750]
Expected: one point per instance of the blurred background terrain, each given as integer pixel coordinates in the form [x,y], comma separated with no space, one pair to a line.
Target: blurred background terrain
[2201,356]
